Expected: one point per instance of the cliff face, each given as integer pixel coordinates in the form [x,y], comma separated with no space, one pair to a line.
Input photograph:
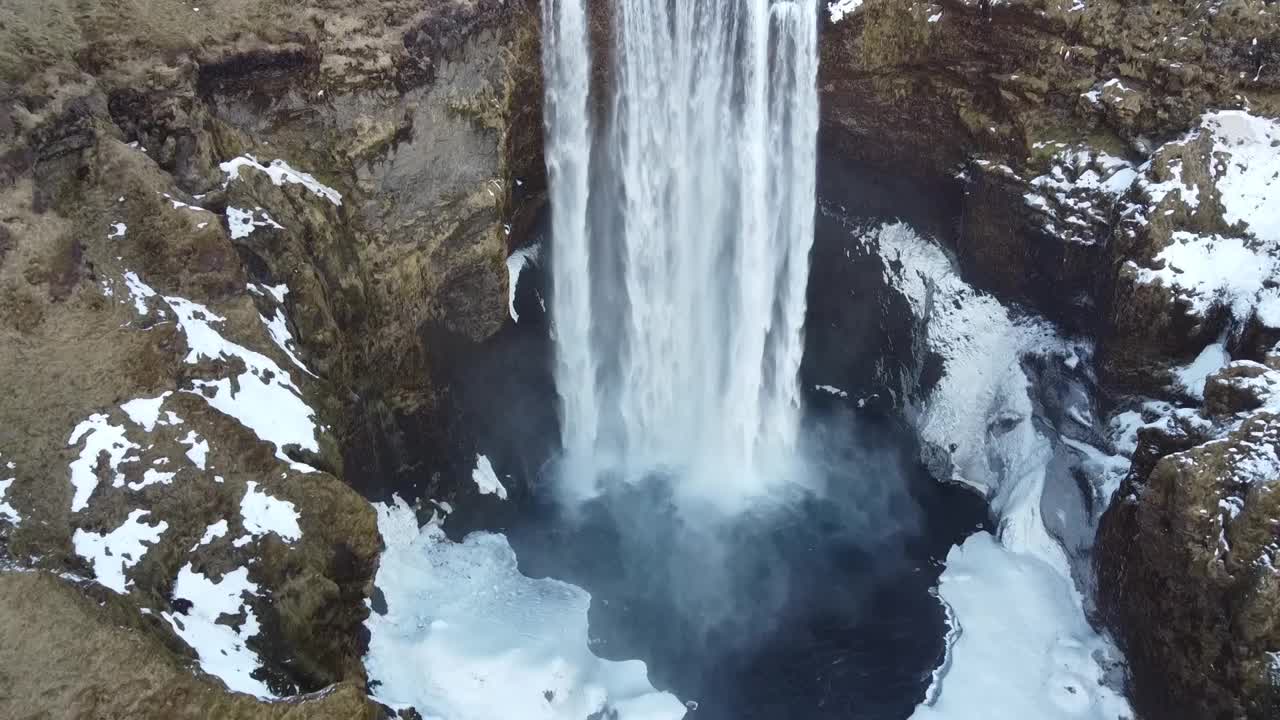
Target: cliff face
[236,243]
[1119,171]
[1189,553]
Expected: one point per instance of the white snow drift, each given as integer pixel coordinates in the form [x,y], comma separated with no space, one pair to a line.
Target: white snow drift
[220,647]
[467,637]
[262,514]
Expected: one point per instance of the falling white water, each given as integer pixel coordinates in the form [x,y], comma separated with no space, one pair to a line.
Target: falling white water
[682,217]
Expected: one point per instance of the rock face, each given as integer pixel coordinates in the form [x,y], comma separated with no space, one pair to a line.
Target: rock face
[1021,98]
[1193,534]
[1121,166]
[236,245]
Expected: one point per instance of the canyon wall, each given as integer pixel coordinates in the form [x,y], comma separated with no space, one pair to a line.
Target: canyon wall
[212,213]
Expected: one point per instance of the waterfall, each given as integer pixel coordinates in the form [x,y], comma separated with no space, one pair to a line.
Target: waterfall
[682,181]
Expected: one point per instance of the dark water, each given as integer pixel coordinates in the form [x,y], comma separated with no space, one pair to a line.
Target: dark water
[818,610]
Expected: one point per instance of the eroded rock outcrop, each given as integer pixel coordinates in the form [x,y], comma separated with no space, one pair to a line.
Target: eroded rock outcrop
[310,205]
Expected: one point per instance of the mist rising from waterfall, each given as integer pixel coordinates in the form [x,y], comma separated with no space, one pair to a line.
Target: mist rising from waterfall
[682,201]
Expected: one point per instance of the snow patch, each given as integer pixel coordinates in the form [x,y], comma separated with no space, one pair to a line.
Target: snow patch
[197,449]
[261,514]
[1123,427]
[7,511]
[211,533]
[1246,169]
[1191,378]
[276,291]
[153,477]
[100,436]
[242,223]
[467,637]
[1206,271]
[832,390]
[516,264]
[266,401]
[840,9]
[145,411]
[117,551]
[140,292]
[221,648]
[1078,190]
[278,328]
[278,324]
[486,479]
[180,205]
[280,174]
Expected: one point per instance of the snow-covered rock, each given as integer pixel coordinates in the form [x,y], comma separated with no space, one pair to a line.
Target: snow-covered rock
[112,553]
[1021,644]
[1208,271]
[220,647]
[1193,524]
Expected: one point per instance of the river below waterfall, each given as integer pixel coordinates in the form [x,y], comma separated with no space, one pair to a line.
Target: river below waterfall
[821,610]
[827,611]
